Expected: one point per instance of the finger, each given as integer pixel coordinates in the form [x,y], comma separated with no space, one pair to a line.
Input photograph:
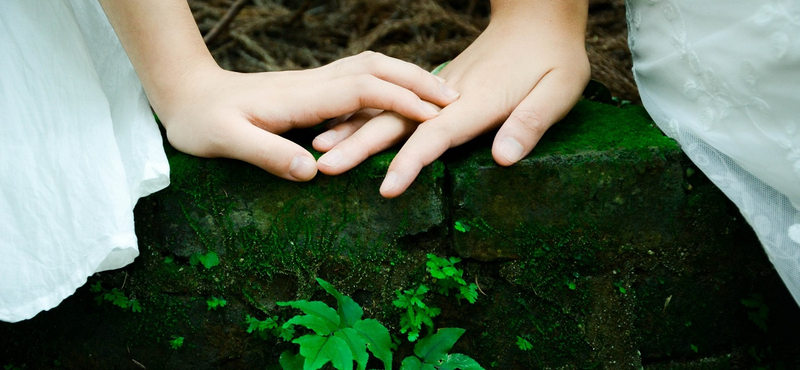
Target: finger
[545,105]
[340,131]
[405,74]
[381,132]
[271,152]
[351,93]
[457,123]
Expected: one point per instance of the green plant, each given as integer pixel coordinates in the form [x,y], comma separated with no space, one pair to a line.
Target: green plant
[215,302]
[176,342]
[339,336]
[11,367]
[208,260]
[524,344]
[759,313]
[116,297]
[620,287]
[416,313]
[462,227]
[448,277]
[432,353]
[270,326]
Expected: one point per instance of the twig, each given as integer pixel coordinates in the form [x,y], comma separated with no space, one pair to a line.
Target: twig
[299,13]
[224,21]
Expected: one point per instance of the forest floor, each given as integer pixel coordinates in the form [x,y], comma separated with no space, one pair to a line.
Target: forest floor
[274,35]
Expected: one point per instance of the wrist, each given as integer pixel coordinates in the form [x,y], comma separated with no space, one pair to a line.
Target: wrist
[568,17]
[169,88]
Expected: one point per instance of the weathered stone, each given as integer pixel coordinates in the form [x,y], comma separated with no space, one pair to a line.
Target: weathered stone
[599,248]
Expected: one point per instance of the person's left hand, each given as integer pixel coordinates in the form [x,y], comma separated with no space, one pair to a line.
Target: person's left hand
[525,71]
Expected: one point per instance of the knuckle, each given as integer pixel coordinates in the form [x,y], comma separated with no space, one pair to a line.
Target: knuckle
[530,120]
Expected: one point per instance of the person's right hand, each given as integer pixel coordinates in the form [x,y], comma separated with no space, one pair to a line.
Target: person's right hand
[211,112]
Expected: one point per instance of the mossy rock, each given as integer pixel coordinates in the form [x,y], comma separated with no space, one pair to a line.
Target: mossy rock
[599,248]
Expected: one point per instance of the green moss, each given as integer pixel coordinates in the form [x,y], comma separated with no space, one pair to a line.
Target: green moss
[594,126]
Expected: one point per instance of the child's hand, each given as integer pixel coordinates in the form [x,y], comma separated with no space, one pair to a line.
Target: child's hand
[210,112]
[525,72]
[217,113]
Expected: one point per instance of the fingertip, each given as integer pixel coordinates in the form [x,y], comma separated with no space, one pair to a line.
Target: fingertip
[302,168]
[390,186]
[507,151]
[325,141]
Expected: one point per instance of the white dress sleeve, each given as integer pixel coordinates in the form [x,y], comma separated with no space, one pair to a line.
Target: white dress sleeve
[722,77]
[78,148]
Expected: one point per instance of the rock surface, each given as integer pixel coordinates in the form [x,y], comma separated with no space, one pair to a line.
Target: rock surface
[604,249]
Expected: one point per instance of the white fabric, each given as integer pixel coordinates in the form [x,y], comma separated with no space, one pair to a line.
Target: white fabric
[78,148]
[722,77]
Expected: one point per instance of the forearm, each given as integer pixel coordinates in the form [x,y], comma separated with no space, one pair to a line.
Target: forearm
[570,16]
[162,40]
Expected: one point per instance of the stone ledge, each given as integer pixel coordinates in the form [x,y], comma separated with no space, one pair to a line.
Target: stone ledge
[602,248]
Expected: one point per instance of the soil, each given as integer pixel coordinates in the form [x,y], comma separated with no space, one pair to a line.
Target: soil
[274,35]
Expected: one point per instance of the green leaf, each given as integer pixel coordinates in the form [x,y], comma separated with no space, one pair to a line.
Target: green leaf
[440,68]
[135,307]
[291,361]
[357,344]
[209,260]
[378,340]
[469,292]
[459,361]
[319,350]
[462,227]
[411,363]
[523,344]
[316,308]
[349,311]
[96,288]
[315,323]
[435,347]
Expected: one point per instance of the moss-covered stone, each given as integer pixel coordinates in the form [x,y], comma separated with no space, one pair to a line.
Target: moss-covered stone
[599,249]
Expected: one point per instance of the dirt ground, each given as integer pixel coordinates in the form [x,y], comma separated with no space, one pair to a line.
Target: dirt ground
[273,35]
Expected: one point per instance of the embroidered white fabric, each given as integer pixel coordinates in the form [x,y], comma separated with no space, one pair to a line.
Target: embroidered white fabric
[723,79]
[78,148]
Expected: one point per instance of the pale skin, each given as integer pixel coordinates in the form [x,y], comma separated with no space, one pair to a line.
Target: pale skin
[210,112]
[523,74]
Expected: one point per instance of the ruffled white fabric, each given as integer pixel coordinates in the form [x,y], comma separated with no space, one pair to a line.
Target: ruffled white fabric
[722,77]
[78,148]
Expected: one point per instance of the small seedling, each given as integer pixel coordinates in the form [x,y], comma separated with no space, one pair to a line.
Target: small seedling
[176,342]
[215,302]
[694,348]
[523,344]
[208,260]
[759,313]
[417,313]
[116,297]
[339,336]
[432,353]
[269,327]
[448,277]
[620,287]
[462,227]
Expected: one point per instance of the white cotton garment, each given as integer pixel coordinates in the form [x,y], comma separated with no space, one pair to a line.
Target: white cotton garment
[78,147]
[722,77]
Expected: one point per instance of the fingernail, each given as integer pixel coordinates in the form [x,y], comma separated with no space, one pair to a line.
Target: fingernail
[332,158]
[442,80]
[511,149]
[428,108]
[302,167]
[389,183]
[327,137]
[448,92]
